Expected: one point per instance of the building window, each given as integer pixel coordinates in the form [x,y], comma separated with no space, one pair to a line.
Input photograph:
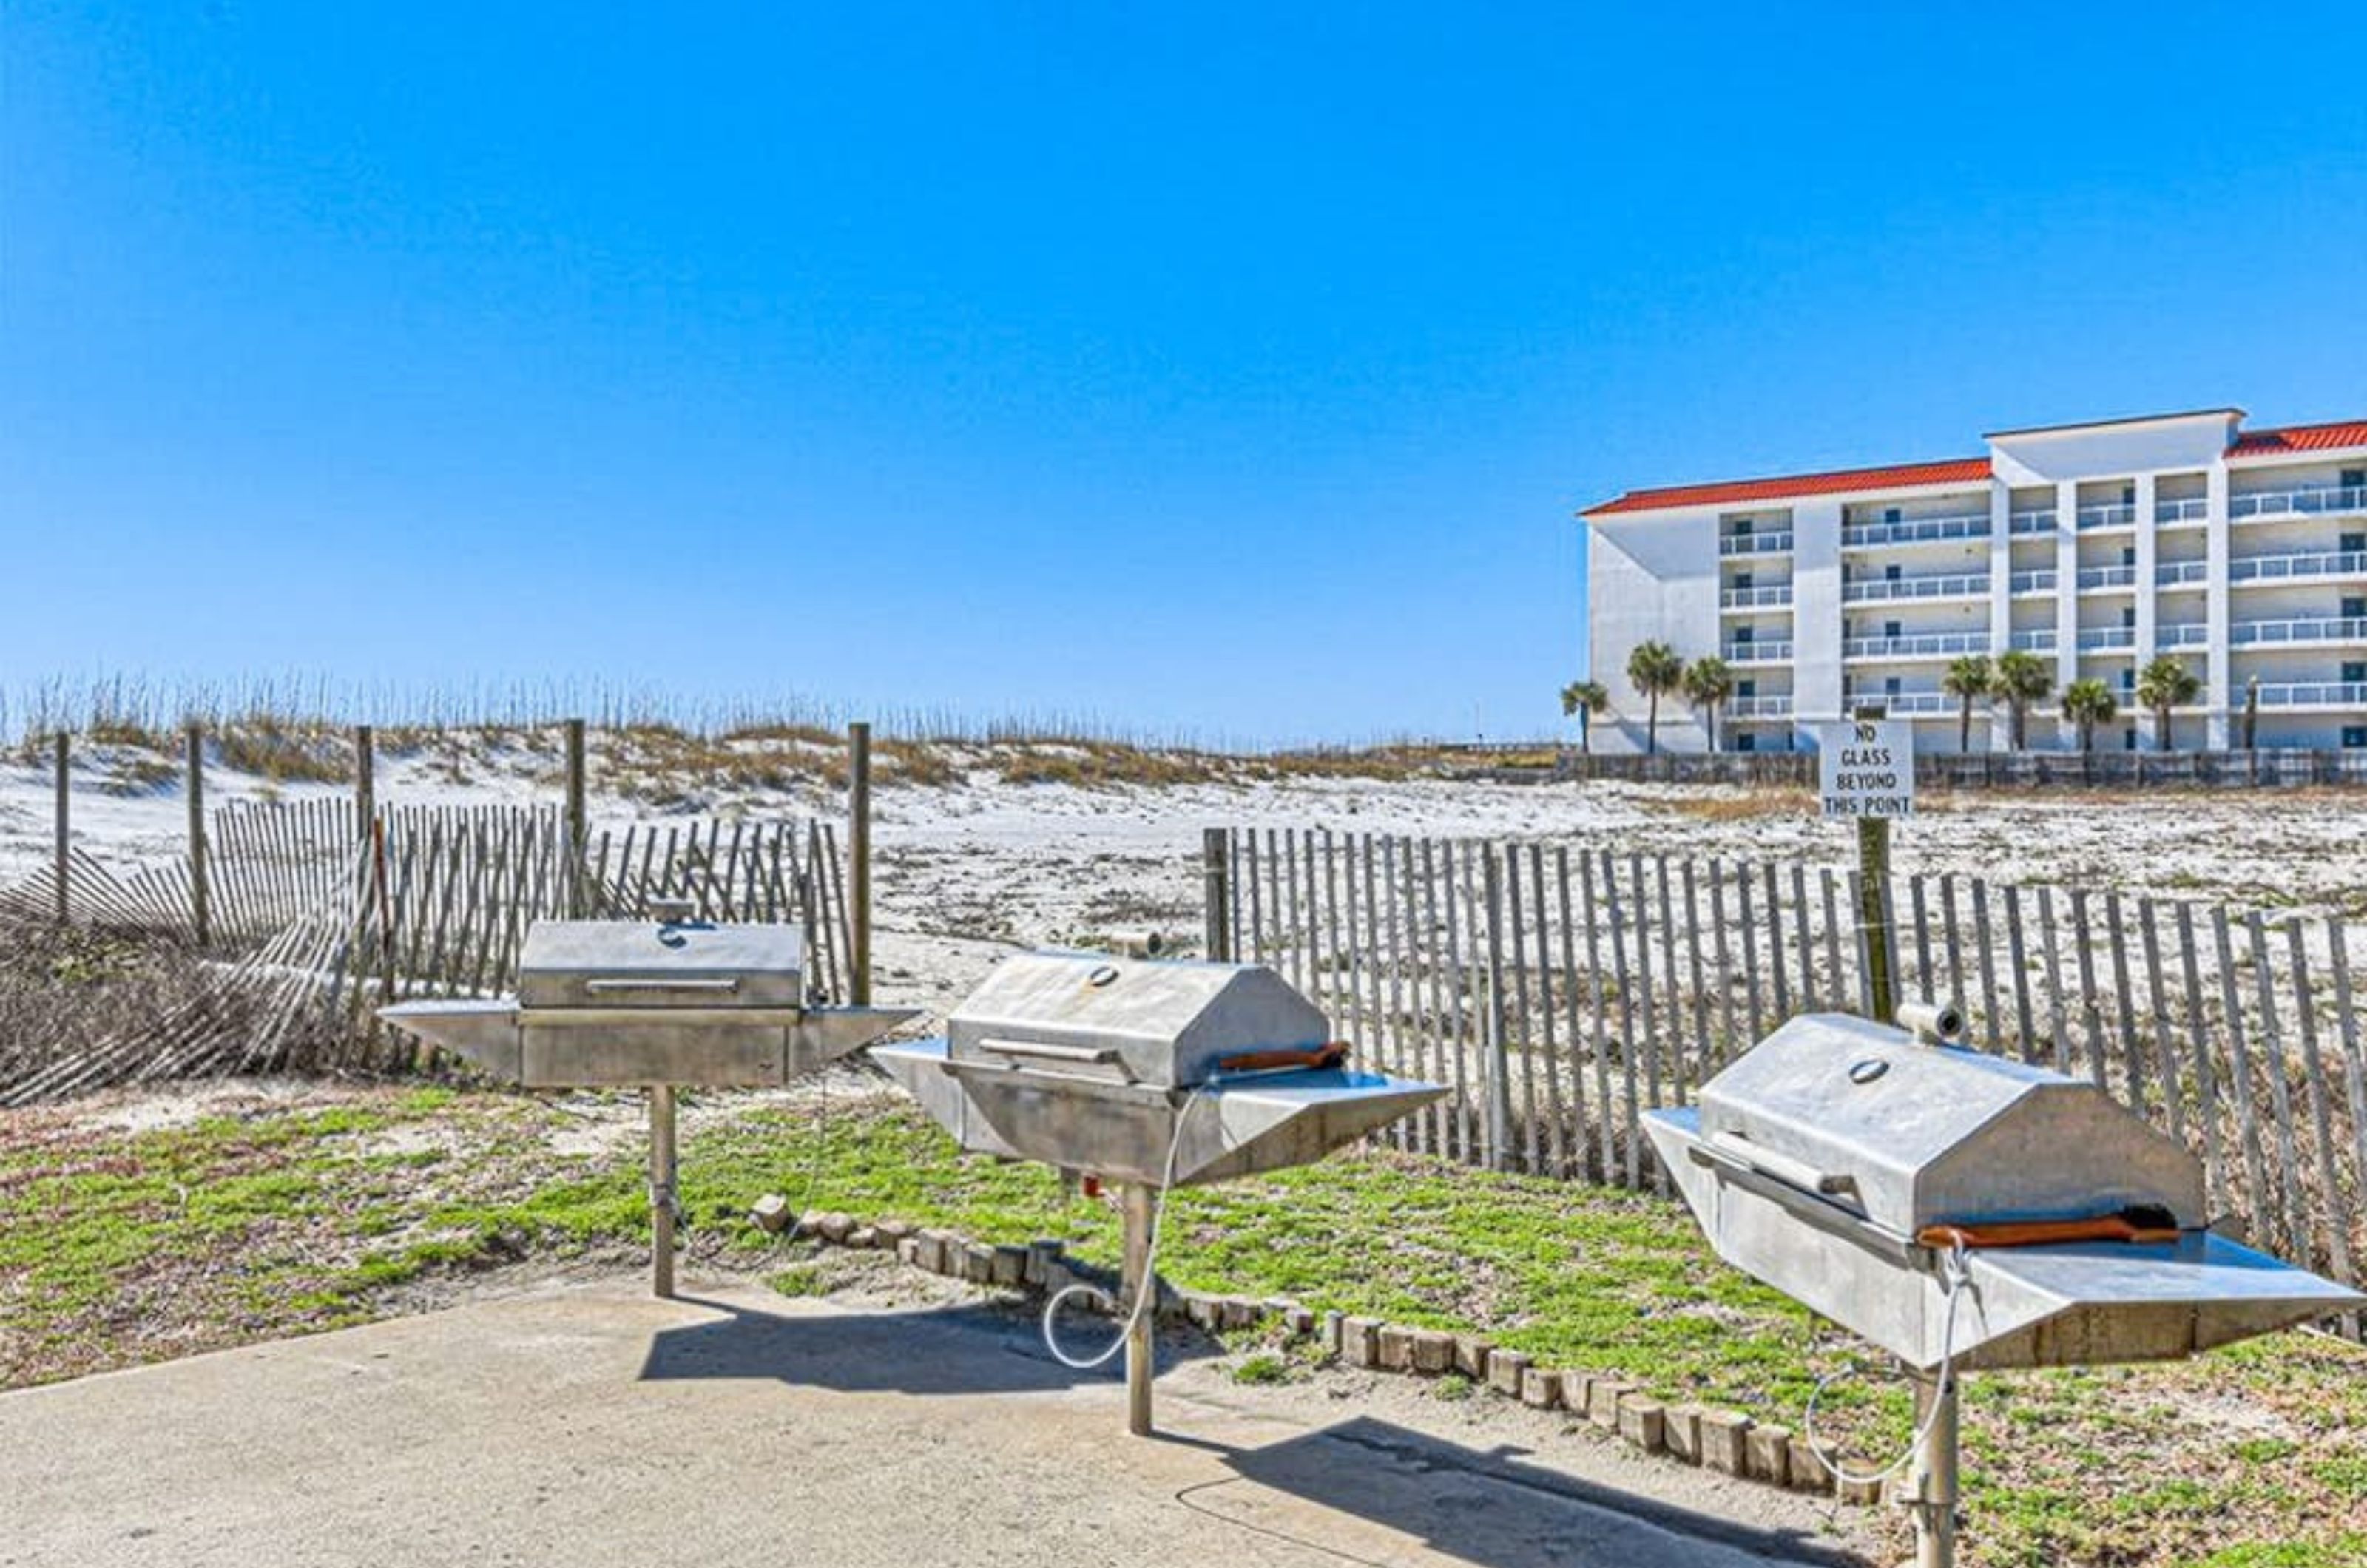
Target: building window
[2354,478]
[2354,737]
[1742,579]
[1890,515]
[2128,496]
[2353,671]
[2352,609]
[1890,686]
[2128,614]
[1745,688]
[1743,635]
[1890,628]
[2351,543]
[2128,554]
[1890,572]
[1746,742]
[2128,739]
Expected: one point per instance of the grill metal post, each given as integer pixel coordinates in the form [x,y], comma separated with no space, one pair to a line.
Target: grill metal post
[662,1175]
[1932,1479]
[1141,1335]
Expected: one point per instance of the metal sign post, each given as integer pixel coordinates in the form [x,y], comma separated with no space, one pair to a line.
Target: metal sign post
[1865,769]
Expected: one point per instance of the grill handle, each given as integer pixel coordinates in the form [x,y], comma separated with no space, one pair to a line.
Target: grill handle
[1096,1055]
[687,983]
[1725,1149]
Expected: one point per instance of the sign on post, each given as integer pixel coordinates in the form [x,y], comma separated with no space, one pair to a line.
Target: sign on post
[1866,767]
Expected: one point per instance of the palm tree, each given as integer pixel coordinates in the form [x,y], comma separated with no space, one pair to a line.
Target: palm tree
[1655,669]
[2019,680]
[2089,703]
[1708,683]
[1583,700]
[1969,679]
[2163,684]
[2251,712]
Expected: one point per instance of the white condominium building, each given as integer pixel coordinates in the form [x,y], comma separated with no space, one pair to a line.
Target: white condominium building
[2096,547]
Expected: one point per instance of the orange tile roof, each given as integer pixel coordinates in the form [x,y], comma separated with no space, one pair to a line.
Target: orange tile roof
[2301,438]
[1955,470]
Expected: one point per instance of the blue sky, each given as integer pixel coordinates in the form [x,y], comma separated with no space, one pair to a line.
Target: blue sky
[1234,369]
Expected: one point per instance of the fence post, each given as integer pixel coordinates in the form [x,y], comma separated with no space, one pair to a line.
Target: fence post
[578,819]
[199,901]
[858,852]
[365,778]
[1499,1103]
[1216,867]
[1873,905]
[64,750]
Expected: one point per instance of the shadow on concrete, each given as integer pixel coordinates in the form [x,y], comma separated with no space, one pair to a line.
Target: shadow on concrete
[1488,1507]
[976,1347]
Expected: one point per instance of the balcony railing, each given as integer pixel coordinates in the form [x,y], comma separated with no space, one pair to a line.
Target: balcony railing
[1915,530]
[2307,563]
[2118,514]
[1749,598]
[1759,707]
[2039,520]
[2176,572]
[2032,581]
[2329,628]
[2315,694]
[2107,637]
[1923,645]
[2305,501]
[1757,652]
[2036,640]
[1905,702]
[2182,634]
[2195,510]
[1755,544]
[1950,587]
[2107,576]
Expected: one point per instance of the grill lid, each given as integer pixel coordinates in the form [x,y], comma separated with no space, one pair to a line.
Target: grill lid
[616,963]
[1164,1023]
[1912,1135]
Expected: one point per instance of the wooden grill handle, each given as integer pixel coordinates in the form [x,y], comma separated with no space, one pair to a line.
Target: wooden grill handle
[1329,1056]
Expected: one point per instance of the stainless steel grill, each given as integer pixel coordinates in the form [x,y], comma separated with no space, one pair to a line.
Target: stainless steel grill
[604,1003]
[1148,1074]
[1874,1174]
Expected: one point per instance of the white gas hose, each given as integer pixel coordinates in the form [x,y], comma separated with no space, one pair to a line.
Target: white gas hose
[1147,1290]
[1955,1272]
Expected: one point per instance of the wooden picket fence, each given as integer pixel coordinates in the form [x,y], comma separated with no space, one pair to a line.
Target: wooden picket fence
[1562,989]
[312,923]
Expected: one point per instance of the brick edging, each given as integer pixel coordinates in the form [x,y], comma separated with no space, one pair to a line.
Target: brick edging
[1725,1440]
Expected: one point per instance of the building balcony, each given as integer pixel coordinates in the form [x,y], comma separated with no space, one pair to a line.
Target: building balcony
[2329,628]
[2094,639]
[2170,573]
[1922,645]
[2038,640]
[1898,703]
[1940,587]
[2182,634]
[2094,577]
[2298,565]
[2038,520]
[2032,581]
[1755,598]
[2314,694]
[1759,707]
[1756,652]
[2173,512]
[2305,501]
[2118,514]
[1756,543]
[1915,530]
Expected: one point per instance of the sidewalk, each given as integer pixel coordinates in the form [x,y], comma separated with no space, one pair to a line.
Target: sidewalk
[597,1427]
